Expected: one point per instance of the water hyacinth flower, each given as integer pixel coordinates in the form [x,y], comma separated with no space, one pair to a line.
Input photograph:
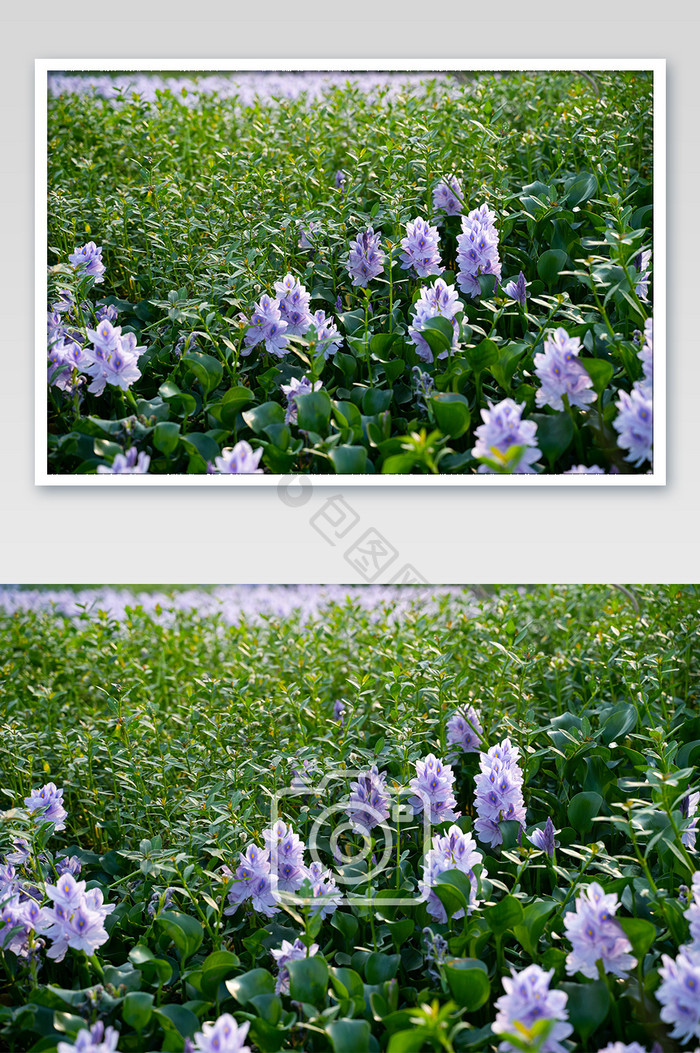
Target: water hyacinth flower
[477,250]
[240,459]
[68,865]
[289,952]
[502,430]
[641,264]
[113,358]
[95,1039]
[560,373]
[635,425]
[327,336]
[108,312]
[544,839]
[679,993]
[438,300]
[420,249]
[339,711]
[596,936]
[581,469]
[689,807]
[340,180]
[292,389]
[646,357]
[88,260]
[326,896]
[369,804]
[46,806]
[266,326]
[448,196]
[425,385]
[527,1000]
[517,290]
[251,880]
[308,234]
[464,730]
[365,258]
[293,300]
[622,1047]
[223,1036]
[432,786]
[76,917]
[435,953]
[130,463]
[455,850]
[499,794]
[286,854]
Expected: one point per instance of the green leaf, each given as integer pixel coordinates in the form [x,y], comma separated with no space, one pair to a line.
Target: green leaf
[381,344]
[349,1036]
[641,934]
[346,924]
[184,931]
[314,412]
[582,188]
[153,970]
[166,436]
[550,265]
[177,1018]
[380,967]
[534,919]
[198,443]
[587,1006]
[555,433]
[260,417]
[137,1009]
[349,460]
[308,981]
[451,897]
[232,403]
[600,371]
[250,985]
[180,402]
[440,325]
[582,810]
[207,370]
[483,355]
[413,1041]
[451,413]
[375,401]
[504,915]
[468,981]
[216,968]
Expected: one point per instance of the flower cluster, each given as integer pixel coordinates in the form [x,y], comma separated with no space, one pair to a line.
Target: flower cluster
[327,336]
[646,356]
[292,389]
[455,850]
[477,250]
[266,326]
[499,791]
[544,838]
[517,290]
[582,469]
[130,463]
[223,1036]
[635,420]
[432,786]
[464,730]
[689,807]
[368,805]
[294,305]
[365,258]
[289,952]
[505,440]
[420,249]
[436,953]
[438,300]
[679,993]
[448,196]
[641,265]
[87,260]
[240,459]
[527,1000]
[596,936]
[96,1039]
[289,314]
[560,373]
[424,384]
[46,806]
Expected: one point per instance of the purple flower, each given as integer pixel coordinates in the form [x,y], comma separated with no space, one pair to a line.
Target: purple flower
[432,786]
[641,264]
[326,897]
[621,1047]
[635,424]
[455,850]
[517,290]
[502,431]
[528,1000]
[292,389]
[46,806]
[420,249]
[561,373]
[438,300]
[368,805]
[340,180]
[646,356]
[130,463]
[365,258]
[581,469]
[464,730]
[339,711]
[286,855]
[88,260]
[251,880]
[689,808]
[448,196]
[596,936]
[327,336]
[240,459]
[266,326]
[20,855]
[544,839]
[289,952]
[108,311]
[499,794]
[65,303]
[477,250]
[294,303]
[679,993]
[223,1036]
[307,237]
[436,952]
[160,901]
[68,865]
[96,1039]
[76,917]
[425,385]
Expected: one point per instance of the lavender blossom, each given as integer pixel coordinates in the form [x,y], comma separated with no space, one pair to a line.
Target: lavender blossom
[679,993]
[68,865]
[622,1047]
[420,249]
[223,1036]
[131,463]
[339,711]
[477,250]
[502,430]
[294,303]
[326,896]
[527,1000]
[435,953]
[365,258]
[46,806]
[517,290]
[561,373]
[635,425]
[689,808]
[448,196]
[432,786]
[266,326]
[581,469]
[499,794]
[438,300]
[160,901]
[107,312]
[455,850]
[88,260]
[308,234]
[596,936]
[425,385]
[327,336]
[286,855]
[289,952]
[240,459]
[251,880]
[340,180]
[292,389]
[544,839]
[646,356]
[95,1039]
[641,264]
[464,730]
[369,804]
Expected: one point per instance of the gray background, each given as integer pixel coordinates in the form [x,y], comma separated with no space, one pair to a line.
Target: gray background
[168,533]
